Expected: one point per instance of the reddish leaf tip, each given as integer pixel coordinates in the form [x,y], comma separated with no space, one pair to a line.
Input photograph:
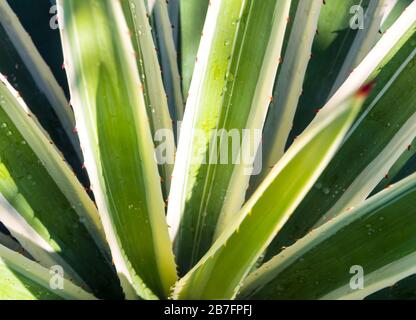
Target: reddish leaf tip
[366,89]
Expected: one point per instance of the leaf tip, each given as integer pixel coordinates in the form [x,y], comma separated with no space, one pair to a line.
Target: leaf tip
[365,90]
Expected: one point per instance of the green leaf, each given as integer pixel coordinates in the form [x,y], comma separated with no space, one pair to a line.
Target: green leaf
[116,137]
[7,241]
[402,168]
[44,35]
[25,68]
[321,265]
[331,46]
[220,272]
[173,9]
[402,290]
[153,90]
[23,279]
[168,56]
[288,87]
[192,15]
[394,13]
[229,97]
[363,160]
[44,206]
[364,41]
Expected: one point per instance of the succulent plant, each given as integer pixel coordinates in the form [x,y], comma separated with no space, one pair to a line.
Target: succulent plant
[114,190]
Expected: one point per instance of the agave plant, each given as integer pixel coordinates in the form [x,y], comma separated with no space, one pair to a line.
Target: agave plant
[323,208]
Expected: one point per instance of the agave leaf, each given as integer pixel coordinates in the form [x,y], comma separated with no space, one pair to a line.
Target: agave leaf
[23,279]
[44,35]
[192,14]
[393,13]
[168,56]
[229,96]
[402,290]
[319,266]
[219,273]
[25,68]
[116,137]
[402,168]
[7,241]
[289,84]
[331,46]
[364,41]
[173,9]
[42,203]
[388,114]
[153,90]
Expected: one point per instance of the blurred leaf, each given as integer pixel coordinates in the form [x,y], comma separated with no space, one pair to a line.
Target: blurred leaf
[394,13]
